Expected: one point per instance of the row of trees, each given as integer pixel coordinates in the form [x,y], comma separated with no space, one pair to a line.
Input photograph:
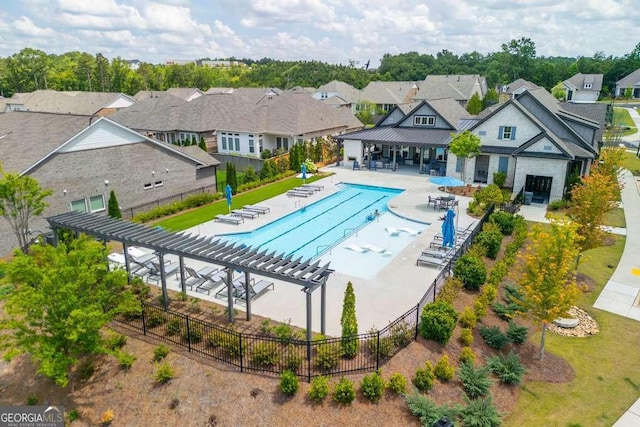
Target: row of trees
[32,69]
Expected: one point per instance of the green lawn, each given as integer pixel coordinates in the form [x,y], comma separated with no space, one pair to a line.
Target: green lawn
[632,163]
[607,378]
[615,218]
[622,117]
[209,212]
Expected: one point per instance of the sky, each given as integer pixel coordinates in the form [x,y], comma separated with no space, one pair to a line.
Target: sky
[333,31]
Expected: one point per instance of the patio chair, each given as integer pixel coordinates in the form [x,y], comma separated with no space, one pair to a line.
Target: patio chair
[257,208]
[431,261]
[255,290]
[244,213]
[139,266]
[317,187]
[356,165]
[214,278]
[229,219]
[156,270]
[296,193]
[193,279]
[237,288]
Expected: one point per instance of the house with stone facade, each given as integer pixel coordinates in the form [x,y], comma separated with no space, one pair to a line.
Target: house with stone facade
[82,159]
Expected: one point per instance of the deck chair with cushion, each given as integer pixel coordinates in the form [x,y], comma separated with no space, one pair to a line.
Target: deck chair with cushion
[156,270]
[237,288]
[139,266]
[214,279]
[296,193]
[194,279]
[257,208]
[245,213]
[255,290]
[431,261]
[231,219]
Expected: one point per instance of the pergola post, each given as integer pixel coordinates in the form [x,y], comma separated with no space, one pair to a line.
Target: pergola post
[54,239]
[395,166]
[230,295]
[183,286]
[421,158]
[247,287]
[309,323]
[323,307]
[163,279]
[127,265]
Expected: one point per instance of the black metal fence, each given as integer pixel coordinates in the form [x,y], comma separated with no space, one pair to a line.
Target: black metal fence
[129,213]
[272,355]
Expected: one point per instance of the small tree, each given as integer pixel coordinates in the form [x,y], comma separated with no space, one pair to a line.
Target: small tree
[474,105]
[349,323]
[21,199]
[465,145]
[490,98]
[113,208]
[438,320]
[203,144]
[546,274]
[63,297]
[232,179]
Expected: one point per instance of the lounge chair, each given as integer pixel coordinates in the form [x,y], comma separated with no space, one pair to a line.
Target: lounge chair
[372,248]
[356,248]
[237,288]
[231,219]
[317,187]
[156,270]
[257,208]
[295,193]
[244,213]
[392,231]
[194,279]
[255,290]
[214,279]
[309,190]
[409,231]
[431,261]
[139,266]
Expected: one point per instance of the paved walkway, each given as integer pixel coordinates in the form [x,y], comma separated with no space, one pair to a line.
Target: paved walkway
[634,138]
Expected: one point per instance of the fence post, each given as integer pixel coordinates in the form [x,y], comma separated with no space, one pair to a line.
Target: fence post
[435,289]
[378,352]
[188,336]
[144,322]
[415,336]
[308,361]
[241,352]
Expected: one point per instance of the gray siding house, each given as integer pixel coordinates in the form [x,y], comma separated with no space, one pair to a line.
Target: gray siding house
[82,160]
[630,81]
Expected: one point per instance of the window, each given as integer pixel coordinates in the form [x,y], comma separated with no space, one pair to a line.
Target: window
[507,132]
[482,133]
[96,203]
[587,85]
[224,142]
[503,164]
[282,143]
[424,120]
[260,144]
[252,148]
[148,186]
[548,147]
[237,140]
[459,164]
[323,95]
[158,184]
[79,205]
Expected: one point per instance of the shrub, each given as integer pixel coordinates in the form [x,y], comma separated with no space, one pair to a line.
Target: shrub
[125,360]
[472,271]
[384,345]
[504,220]
[558,204]
[475,381]
[291,359]
[517,334]
[505,311]
[466,336]
[250,175]
[344,392]
[493,336]
[115,341]
[450,289]
[164,373]
[427,411]
[349,323]
[480,306]
[438,321]
[156,318]
[481,412]
[492,240]
[402,334]
[499,178]
[319,389]
[265,327]
[265,354]
[508,368]
[467,355]
[194,334]
[160,353]
[424,377]
[372,386]
[489,195]
[327,356]
[444,370]
[398,383]
[73,415]
[173,327]
[289,383]
[107,417]
[285,332]
[229,341]
[468,318]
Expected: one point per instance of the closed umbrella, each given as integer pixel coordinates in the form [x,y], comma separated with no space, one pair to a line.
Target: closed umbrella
[303,169]
[449,229]
[446,181]
[228,193]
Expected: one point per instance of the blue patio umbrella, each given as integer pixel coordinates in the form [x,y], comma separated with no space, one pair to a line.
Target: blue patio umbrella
[448,229]
[303,170]
[446,181]
[228,193]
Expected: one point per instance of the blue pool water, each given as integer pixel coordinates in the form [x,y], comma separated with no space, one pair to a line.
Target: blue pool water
[313,229]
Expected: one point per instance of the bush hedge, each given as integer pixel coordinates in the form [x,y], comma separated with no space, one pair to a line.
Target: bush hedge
[471,270]
[438,320]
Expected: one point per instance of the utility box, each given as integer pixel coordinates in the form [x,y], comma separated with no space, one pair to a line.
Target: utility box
[528,197]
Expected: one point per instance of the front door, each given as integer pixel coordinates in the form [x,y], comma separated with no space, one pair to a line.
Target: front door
[540,186]
[481,171]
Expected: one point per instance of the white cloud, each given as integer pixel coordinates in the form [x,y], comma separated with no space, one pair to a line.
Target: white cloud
[26,26]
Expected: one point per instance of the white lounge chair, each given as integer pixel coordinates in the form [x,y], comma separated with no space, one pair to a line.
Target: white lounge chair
[392,231]
[377,249]
[356,248]
[409,231]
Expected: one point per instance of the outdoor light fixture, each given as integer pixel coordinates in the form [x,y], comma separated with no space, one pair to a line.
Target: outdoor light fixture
[153,173]
[64,192]
[106,182]
[167,170]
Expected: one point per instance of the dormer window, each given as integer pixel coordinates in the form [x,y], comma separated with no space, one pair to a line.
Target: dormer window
[588,85]
[424,120]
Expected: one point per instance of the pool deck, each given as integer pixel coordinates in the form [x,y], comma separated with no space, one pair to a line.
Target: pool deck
[395,289]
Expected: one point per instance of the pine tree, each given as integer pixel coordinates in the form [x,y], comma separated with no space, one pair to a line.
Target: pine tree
[203,144]
[349,323]
[113,209]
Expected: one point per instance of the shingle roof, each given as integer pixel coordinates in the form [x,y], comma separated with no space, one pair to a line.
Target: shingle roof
[380,92]
[629,80]
[449,109]
[578,81]
[184,92]
[160,112]
[73,102]
[593,111]
[345,90]
[404,136]
[518,84]
[26,137]
[459,87]
[199,154]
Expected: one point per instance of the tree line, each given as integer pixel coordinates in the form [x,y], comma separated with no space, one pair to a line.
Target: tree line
[31,69]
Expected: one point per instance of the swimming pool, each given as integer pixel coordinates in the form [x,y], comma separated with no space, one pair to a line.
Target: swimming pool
[312,230]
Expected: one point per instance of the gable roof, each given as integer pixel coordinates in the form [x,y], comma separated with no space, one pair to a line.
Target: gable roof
[347,92]
[629,80]
[158,112]
[518,85]
[578,81]
[597,112]
[70,102]
[460,87]
[399,92]
[186,93]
